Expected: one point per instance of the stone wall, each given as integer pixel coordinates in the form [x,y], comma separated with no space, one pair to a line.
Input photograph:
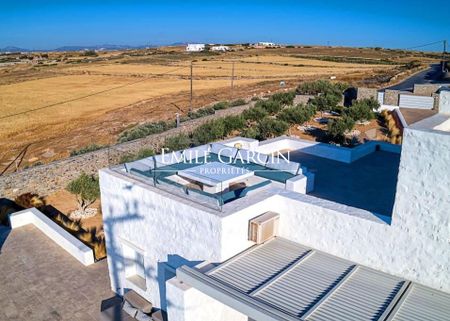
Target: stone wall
[391,97]
[48,178]
[363,93]
[425,90]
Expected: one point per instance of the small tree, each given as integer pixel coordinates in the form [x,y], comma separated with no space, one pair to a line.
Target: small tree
[209,132]
[86,188]
[270,106]
[285,99]
[337,128]
[255,113]
[363,109]
[297,115]
[233,123]
[270,127]
[326,102]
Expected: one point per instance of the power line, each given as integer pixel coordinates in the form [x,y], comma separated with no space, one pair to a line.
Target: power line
[232,80]
[425,45]
[86,96]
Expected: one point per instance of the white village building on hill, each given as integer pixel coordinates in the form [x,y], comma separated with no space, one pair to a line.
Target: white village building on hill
[220,48]
[195,47]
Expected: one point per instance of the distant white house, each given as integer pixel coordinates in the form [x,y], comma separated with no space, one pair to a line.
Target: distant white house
[263,44]
[195,47]
[220,48]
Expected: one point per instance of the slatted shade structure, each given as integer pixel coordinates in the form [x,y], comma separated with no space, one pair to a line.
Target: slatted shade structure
[285,281]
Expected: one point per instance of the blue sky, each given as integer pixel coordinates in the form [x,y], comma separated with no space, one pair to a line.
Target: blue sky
[50,24]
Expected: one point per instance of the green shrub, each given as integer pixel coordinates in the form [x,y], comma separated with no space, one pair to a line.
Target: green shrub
[86,149]
[221,105]
[232,123]
[270,127]
[250,132]
[238,102]
[255,113]
[362,110]
[178,142]
[284,98]
[336,128]
[255,98]
[202,112]
[145,130]
[297,114]
[208,132]
[143,153]
[270,106]
[325,102]
[320,87]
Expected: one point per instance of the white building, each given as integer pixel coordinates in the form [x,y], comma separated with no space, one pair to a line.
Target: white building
[220,48]
[367,221]
[265,44]
[195,47]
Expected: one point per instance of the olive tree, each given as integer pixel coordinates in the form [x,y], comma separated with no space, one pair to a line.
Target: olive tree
[336,128]
[86,188]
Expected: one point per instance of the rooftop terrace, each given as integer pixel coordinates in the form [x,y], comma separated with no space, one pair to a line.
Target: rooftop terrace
[368,183]
[217,174]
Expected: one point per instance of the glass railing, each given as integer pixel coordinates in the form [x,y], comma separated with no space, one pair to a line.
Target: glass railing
[209,183]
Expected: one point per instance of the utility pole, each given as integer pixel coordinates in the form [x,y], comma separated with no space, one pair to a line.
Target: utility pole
[444,56]
[190,104]
[232,79]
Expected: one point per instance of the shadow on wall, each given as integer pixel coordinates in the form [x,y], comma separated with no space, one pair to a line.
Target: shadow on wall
[7,207]
[4,232]
[167,270]
[350,94]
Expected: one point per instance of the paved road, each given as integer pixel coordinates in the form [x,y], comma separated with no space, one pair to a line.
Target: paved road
[430,76]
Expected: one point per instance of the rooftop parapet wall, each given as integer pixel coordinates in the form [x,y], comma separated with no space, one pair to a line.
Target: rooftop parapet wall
[422,203]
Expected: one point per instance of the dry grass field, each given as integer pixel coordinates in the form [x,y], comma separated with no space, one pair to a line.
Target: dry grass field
[74,103]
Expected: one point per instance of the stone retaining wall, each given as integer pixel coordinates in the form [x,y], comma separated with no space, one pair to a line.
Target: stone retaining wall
[366,93]
[391,97]
[425,89]
[48,178]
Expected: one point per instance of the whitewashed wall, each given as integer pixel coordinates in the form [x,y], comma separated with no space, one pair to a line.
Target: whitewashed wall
[56,233]
[189,304]
[444,102]
[168,231]
[337,153]
[390,248]
[422,204]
